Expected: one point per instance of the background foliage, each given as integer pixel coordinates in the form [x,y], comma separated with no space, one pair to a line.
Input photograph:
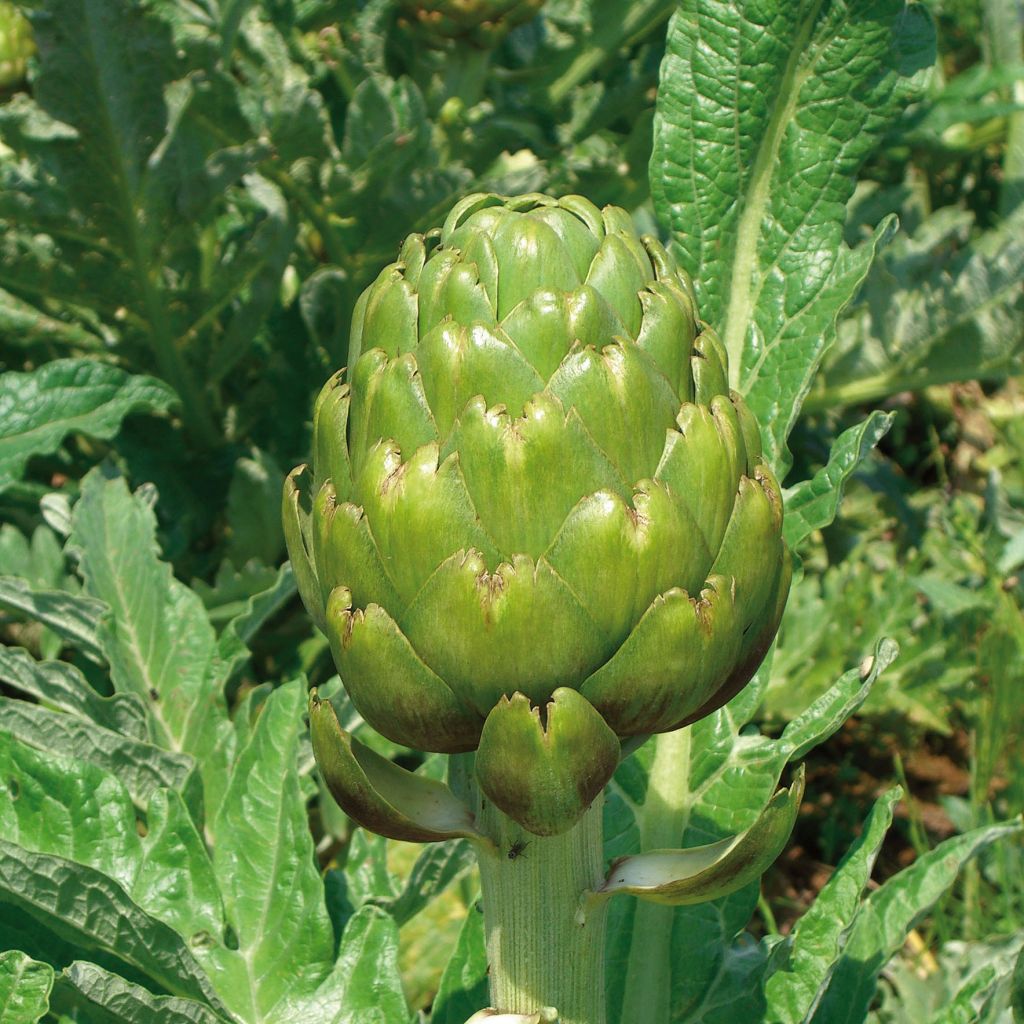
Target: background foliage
[192,196]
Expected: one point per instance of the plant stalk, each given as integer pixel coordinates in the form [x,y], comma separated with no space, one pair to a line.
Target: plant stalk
[545,937]
[663,826]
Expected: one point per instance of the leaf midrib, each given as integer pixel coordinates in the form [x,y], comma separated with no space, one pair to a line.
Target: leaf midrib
[739,311]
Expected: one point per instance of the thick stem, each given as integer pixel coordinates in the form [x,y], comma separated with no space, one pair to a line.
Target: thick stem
[545,937]
[666,810]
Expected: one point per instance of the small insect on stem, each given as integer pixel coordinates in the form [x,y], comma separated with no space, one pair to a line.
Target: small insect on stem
[517,848]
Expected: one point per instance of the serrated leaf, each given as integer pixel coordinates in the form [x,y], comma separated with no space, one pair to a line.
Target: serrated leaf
[87,908]
[76,810]
[23,324]
[254,510]
[812,948]
[264,850]
[24,988]
[38,558]
[71,809]
[764,117]
[106,998]
[890,912]
[233,643]
[935,310]
[141,766]
[158,640]
[74,617]
[364,986]
[60,685]
[437,867]
[813,504]
[40,408]
[325,303]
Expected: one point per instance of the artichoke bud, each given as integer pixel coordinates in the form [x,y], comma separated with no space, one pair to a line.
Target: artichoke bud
[536,481]
[482,23]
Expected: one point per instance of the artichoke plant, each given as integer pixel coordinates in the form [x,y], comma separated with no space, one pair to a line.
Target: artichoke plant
[483,22]
[537,526]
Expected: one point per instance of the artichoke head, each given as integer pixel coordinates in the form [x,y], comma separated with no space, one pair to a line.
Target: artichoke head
[535,478]
[481,22]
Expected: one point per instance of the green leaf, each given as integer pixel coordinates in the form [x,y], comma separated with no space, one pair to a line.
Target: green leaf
[77,810]
[141,766]
[232,644]
[74,617]
[38,558]
[764,117]
[364,986]
[91,993]
[326,302]
[40,408]
[887,917]
[157,638]
[22,324]
[437,867]
[812,504]
[24,988]
[87,908]
[254,510]
[1018,989]
[60,685]
[463,988]
[175,879]
[812,948]
[936,308]
[266,869]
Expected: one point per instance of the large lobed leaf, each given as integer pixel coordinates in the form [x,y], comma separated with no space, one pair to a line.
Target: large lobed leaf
[765,114]
[40,408]
[180,936]
[936,308]
[156,636]
[883,923]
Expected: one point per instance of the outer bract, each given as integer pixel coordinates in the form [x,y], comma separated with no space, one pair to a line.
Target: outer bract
[484,22]
[536,478]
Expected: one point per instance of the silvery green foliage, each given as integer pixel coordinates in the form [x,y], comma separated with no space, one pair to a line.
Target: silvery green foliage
[168,873]
[765,115]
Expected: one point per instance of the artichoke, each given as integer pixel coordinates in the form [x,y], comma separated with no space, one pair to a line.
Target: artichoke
[483,22]
[537,520]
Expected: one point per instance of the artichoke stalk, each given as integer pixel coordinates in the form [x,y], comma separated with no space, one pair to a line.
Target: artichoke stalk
[538,527]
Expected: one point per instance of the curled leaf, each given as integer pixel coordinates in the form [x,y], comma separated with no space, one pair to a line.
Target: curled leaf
[703,873]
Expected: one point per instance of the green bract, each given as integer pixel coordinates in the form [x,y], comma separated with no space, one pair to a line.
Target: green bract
[484,22]
[536,479]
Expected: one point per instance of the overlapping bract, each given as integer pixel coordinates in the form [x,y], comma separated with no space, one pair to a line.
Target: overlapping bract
[535,478]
